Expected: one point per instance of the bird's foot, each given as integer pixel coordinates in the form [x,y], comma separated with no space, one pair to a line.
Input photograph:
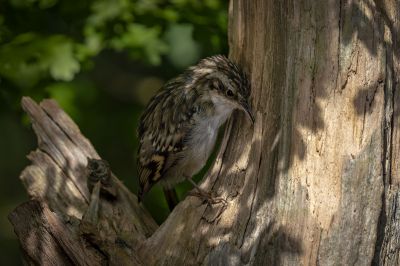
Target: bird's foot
[208,197]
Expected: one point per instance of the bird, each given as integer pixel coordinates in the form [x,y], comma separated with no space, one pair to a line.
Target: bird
[178,129]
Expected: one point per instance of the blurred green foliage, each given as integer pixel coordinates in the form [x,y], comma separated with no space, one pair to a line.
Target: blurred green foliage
[101,60]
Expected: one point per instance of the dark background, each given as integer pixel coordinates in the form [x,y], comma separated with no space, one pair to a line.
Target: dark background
[102,60]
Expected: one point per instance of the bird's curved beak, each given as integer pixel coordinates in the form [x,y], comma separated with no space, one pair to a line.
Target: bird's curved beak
[246,108]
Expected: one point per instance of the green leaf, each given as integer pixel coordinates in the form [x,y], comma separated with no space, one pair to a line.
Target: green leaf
[140,40]
[63,65]
[107,10]
[184,50]
[30,57]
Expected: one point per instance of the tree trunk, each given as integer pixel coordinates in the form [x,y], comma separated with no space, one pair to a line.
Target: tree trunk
[314,181]
[325,77]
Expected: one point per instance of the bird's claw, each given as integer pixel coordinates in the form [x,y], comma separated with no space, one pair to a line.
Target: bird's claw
[208,197]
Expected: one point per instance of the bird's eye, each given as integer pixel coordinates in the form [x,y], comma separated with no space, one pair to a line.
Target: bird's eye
[229,93]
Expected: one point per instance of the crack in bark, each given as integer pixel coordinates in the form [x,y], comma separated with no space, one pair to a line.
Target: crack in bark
[63,172]
[368,102]
[59,126]
[350,71]
[253,199]
[387,152]
[339,42]
[251,210]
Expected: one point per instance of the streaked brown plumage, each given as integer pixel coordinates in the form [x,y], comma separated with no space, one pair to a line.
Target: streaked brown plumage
[178,129]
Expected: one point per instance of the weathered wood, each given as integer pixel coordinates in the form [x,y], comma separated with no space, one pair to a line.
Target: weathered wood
[57,178]
[315,181]
[47,239]
[326,75]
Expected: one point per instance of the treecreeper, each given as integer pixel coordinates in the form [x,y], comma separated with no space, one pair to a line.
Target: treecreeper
[179,126]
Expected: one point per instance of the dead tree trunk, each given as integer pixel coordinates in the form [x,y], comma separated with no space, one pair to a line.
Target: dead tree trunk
[326,79]
[315,181]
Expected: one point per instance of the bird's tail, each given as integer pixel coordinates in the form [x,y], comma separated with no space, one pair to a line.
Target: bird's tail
[140,196]
[143,189]
[171,198]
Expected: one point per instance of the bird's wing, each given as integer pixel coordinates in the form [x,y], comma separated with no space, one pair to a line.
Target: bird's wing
[163,131]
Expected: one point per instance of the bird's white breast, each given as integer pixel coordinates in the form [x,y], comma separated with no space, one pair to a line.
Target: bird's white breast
[203,137]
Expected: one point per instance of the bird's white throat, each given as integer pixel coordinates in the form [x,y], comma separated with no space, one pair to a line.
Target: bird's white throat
[223,109]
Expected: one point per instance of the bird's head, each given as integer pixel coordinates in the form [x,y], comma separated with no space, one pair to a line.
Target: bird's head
[225,82]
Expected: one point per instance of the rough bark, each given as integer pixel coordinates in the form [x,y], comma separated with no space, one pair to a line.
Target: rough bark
[314,182]
[326,76]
